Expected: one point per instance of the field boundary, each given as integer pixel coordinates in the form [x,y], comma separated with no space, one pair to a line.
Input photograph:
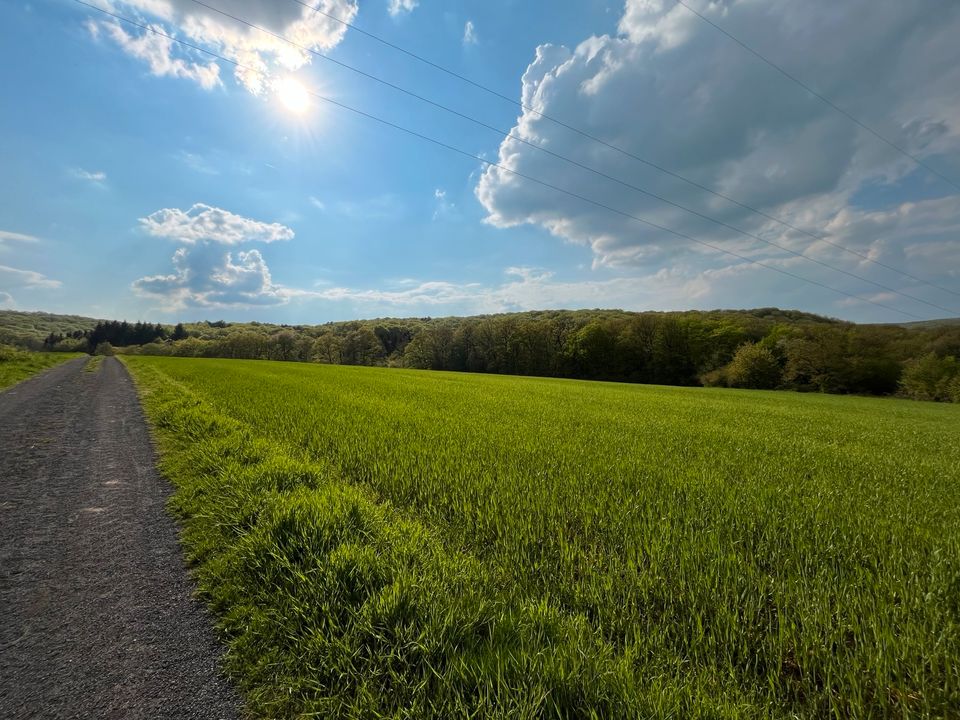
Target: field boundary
[21,365]
[241,499]
[648,575]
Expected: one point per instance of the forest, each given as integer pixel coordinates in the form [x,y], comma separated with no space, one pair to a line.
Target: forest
[765,348]
[113,333]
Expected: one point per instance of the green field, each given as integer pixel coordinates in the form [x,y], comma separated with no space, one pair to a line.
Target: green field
[17,365]
[391,543]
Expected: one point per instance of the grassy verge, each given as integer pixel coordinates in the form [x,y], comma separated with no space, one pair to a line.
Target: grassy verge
[403,544]
[93,364]
[17,365]
[336,605]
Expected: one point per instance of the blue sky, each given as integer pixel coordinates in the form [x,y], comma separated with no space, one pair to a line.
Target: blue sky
[142,181]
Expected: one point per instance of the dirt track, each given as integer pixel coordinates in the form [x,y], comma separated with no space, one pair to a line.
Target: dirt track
[96,614]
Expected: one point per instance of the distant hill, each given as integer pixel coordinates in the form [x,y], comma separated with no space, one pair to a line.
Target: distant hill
[760,348]
[30,328]
[932,324]
[19,327]
[208,329]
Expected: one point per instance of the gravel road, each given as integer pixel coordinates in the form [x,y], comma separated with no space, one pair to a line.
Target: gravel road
[96,614]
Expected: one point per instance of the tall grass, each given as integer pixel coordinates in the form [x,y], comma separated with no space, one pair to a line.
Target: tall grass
[409,544]
[17,365]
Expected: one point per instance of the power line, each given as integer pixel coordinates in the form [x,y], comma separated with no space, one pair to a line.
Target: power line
[626,153]
[820,97]
[489,163]
[566,159]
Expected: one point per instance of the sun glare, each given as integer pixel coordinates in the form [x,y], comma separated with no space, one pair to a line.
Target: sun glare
[293,96]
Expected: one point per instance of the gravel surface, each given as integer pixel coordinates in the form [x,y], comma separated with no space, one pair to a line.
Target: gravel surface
[96,614]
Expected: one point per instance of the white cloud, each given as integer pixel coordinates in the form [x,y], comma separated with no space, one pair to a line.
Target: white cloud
[258,51]
[470,34]
[7,236]
[206,274]
[204,223]
[26,278]
[712,280]
[399,7]
[6,300]
[157,51]
[443,206]
[94,177]
[209,272]
[317,203]
[525,289]
[922,238]
[672,89]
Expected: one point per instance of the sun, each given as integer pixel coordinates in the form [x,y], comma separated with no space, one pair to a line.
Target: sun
[293,95]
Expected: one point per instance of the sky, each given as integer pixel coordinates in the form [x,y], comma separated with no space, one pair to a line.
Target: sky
[641,157]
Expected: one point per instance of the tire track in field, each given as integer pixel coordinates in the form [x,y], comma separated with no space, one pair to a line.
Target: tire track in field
[96,614]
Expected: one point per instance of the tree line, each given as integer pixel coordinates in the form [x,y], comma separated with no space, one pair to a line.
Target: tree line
[766,348]
[112,333]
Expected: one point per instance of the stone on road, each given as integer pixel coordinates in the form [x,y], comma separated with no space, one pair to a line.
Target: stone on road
[96,614]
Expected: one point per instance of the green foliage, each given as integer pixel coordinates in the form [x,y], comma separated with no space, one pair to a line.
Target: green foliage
[362,347]
[865,360]
[413,545]
[28,329]
[954,388]
[674,348]
[103,348]
[715,378]
[328,348]
[687,348]
[94,363]
[932,378]
[753,366]
[17,365]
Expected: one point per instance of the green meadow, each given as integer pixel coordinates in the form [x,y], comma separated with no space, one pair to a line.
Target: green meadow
[17,365]
[415,544]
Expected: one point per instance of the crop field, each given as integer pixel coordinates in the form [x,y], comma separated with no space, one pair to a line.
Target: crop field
[17,365]
[408,544]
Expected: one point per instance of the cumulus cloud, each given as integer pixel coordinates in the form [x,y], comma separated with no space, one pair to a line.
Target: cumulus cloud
[401,7]
[206,273]
[204,223]
[713,280]
[14,277]
[157,52]
[206,276]
[211,271]
[259,52]
[470,34]
[672,89]
[922,238]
